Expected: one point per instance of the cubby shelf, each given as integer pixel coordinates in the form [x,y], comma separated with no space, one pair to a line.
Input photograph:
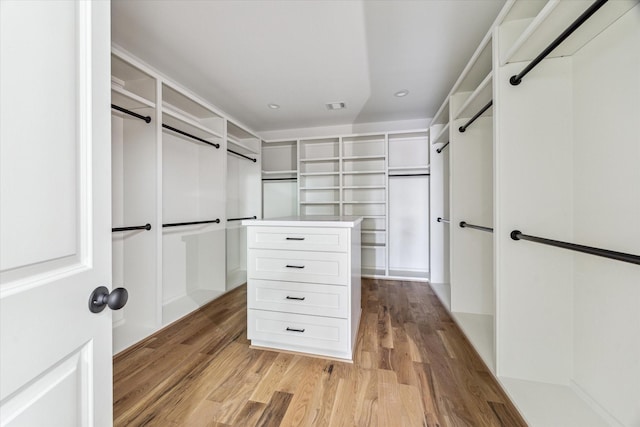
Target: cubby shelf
[129,100]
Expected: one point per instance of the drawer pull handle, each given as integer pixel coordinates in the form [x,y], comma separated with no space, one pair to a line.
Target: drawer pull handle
[294,330]
[295,238]
[295,266]
[296,298]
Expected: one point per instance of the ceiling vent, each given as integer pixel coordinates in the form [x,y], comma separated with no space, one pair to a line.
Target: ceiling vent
[336,105]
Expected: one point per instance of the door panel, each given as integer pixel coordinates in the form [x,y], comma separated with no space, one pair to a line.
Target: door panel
[55,355]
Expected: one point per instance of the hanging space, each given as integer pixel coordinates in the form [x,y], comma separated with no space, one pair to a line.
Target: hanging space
[193,204]
[279,178]
[408,180]
[243,199]
[567,156]
[134,171]
[471,203]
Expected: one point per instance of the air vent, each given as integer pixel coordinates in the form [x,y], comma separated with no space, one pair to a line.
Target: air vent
[336,105]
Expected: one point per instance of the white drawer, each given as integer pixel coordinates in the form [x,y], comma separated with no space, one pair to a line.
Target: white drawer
[299,266]
[299,238]
[296,297]
[298,332]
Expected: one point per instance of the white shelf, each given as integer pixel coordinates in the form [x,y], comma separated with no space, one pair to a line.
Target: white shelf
[179,121]
[356,158]
[363,172]
[318,188]
[555,18]
[442,136]
[319,203]
[319,159]
[127,99]
[319,173]
[543,404]
[241,145]
[477,99]
[364,187]
[363,203]
[289,172]
[423,168]
[180,307]
[373,245]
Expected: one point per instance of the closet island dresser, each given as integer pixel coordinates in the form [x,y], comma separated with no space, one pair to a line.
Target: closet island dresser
[303,284]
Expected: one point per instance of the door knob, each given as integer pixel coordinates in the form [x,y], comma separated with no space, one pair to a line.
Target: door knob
[101,297]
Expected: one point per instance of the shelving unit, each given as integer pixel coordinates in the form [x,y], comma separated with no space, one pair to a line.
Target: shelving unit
[318,176]
[526,163]
[243,198]
[133,175]
[193,256]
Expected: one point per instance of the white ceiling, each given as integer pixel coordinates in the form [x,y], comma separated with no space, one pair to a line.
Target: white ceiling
[301,54]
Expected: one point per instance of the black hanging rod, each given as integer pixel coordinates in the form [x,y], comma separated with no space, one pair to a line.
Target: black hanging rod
[620,256]
[517,79]
[242,155]
[137,227]
[240,219]
[474,118]
[189,135]
[280,179]
[131,113]
[409,174]
[179,224]
[439,150]
[476,227]
[446,221]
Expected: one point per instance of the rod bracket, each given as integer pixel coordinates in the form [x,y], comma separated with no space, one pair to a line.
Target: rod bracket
[515,81]
[515,234]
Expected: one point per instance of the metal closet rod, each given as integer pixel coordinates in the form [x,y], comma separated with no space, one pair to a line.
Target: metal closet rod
[439,150]
[619,256]
[446,221]
[240,219]
[179,224]
[280,179]
[131,113]
[137,227]
[517,79]
[189,135]
[474,118]
[464,224]
[409,174]
[242,155]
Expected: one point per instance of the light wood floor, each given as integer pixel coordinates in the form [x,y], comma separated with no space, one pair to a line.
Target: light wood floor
[413,367]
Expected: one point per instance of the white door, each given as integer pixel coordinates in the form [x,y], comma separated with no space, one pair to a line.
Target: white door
[55,355]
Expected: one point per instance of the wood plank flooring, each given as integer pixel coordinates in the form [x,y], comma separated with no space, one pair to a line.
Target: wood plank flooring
[413,367]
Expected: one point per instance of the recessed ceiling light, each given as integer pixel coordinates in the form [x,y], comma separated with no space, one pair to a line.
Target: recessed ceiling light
[336,105]
[273,106]
[401,93]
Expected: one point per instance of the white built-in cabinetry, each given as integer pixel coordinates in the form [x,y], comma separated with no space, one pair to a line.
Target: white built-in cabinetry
[243,198]
[303,290]
[383,177]
[556,157]
[175,184]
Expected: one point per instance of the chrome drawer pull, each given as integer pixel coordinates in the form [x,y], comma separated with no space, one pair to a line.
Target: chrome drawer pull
[295,266]
[295,238]
[296,298]
[294,330]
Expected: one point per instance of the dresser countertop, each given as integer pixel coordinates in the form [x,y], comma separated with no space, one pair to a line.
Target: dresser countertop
[307,221]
